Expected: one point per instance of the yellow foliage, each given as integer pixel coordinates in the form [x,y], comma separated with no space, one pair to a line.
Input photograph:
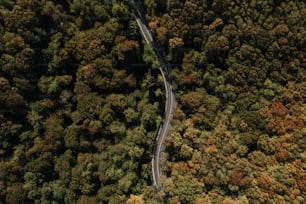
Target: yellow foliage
[135,199]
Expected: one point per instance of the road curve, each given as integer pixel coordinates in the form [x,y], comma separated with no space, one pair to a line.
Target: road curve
[170,98]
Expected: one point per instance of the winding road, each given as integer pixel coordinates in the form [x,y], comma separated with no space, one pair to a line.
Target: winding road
[170,98]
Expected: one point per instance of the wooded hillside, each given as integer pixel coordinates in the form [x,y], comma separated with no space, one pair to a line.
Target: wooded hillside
[240,70]
[81,100]
[80,103]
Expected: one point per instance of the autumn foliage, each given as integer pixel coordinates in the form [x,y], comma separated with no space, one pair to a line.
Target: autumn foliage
[236,177]
[82,98]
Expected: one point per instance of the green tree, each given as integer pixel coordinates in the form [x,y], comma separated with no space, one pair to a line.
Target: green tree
[32,183]
[63,165]
[149,113]
[121,11]
[71,137]
[8,134]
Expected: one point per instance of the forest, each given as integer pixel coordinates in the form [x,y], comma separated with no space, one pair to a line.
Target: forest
[82,99]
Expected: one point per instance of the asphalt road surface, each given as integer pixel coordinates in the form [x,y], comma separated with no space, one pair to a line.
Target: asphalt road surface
[170,98]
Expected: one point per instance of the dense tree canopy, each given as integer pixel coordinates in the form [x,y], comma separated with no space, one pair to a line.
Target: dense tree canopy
[78,116]
[238,133]
[81,101]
